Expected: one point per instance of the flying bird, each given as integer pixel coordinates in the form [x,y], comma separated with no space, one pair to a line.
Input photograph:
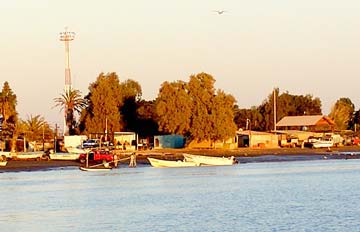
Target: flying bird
[220,11]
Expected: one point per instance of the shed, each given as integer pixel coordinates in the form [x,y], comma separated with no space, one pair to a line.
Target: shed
[125,140]
[169,141]
[256,139]
[230,143]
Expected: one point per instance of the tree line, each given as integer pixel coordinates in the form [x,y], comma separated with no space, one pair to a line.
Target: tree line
[194,109]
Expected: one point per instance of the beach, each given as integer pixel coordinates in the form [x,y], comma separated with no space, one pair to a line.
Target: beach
[244,155]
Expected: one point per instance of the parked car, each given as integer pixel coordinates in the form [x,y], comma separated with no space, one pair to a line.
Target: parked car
[97,155]
[91,143]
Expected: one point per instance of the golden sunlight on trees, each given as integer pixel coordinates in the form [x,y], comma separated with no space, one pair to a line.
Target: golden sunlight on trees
[173,107]
[194,110]
[223,116]
[104,103]
[342,113]
[8,104]
[70,101]
[287,105]
[35,128]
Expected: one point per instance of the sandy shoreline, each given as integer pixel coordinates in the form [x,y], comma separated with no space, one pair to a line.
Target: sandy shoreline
[244,155]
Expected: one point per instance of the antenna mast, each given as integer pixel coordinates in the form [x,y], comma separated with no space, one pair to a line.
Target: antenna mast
[67,36]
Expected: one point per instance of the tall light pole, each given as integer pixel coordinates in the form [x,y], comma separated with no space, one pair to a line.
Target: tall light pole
[67,36]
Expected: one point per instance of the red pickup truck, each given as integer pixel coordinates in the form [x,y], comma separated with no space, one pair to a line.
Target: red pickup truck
[97,155]
[356,141]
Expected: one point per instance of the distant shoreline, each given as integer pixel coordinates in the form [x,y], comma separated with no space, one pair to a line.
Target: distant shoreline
[244,155]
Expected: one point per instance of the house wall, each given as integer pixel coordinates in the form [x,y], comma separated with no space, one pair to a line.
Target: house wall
[74,140]
[230,143]
[264,141]
[258,140]
[126,141]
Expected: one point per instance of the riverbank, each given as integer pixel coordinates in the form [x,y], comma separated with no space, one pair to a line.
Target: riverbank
[244,155]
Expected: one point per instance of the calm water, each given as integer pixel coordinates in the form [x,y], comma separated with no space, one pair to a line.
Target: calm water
[320,195]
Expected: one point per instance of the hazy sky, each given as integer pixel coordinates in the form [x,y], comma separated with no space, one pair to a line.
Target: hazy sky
[304,47]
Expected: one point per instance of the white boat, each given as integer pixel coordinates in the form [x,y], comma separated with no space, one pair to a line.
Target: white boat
[210,160]
[157,163]
[64,156]
[3,163]
[323,143]
[94,169]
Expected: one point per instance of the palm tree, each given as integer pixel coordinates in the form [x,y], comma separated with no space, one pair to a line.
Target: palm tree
[34,127]
[70,101]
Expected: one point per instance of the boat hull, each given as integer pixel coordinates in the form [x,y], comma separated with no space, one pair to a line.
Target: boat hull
[64,156]
[209,160]
[94,169]
[28,155]
[157,163]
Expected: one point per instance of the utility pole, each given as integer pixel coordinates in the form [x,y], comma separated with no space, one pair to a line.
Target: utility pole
[106,130]
[275,110]
[67,36]
[55,136]
[43,136]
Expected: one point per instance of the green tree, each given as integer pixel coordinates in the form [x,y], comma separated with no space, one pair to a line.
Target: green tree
[104,103]
[147,119]
[8,102]
[35,128]
[342,113]
[131,94]
[202,92]
[286,105]
[247,117]
[222,116]
[174,108]
[131,89]
[70,101]
[195,109]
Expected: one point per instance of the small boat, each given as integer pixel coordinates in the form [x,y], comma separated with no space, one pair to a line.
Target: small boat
[105,166]
[210,160]
[3,163]
[64,156]
[94,169]
[157,163]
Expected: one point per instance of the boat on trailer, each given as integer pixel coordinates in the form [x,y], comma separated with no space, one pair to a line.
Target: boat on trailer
[158,163]
[201,160]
